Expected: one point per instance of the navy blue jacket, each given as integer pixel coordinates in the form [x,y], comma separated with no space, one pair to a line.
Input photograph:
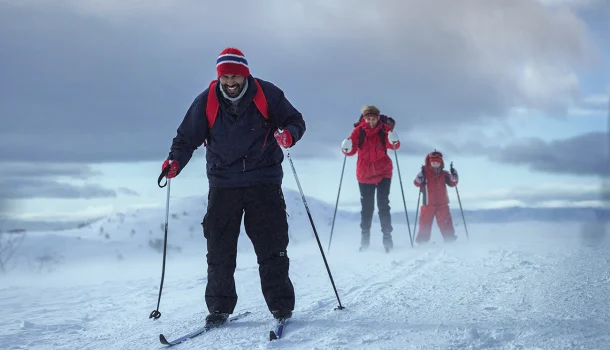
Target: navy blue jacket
[241,150]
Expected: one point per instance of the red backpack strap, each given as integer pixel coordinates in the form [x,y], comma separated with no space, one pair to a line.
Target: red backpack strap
[261,101]
[383,137]
[361,137]
[211,108]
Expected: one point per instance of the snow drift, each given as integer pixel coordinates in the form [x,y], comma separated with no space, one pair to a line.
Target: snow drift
[511,286]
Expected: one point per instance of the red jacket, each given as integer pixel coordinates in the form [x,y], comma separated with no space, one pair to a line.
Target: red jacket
[373,163]
[435,191]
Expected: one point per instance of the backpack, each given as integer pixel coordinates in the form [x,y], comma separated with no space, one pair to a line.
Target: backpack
[211,109]
[384,120]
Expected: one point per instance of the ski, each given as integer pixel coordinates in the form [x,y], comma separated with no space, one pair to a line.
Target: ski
[199,331]
[279,329]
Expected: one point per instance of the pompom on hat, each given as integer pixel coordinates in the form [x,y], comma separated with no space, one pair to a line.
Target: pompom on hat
[232,61]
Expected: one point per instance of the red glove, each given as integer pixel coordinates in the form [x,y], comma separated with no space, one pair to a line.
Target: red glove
[283,138]
[173,168]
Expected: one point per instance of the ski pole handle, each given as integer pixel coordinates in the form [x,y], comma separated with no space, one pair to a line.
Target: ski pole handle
[163,174]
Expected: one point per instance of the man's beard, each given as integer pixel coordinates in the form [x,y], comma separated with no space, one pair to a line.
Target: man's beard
[233,92]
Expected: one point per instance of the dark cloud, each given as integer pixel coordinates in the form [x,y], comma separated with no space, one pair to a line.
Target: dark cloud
[48,169]
[585,154]
[44,180]
[36,188]
[77,89]
[86,81]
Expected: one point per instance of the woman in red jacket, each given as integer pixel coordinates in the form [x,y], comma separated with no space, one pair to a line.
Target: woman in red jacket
[372,136]
[433,181]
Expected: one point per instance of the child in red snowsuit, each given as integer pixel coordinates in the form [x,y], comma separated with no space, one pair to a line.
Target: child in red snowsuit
[433,181]
[371,138]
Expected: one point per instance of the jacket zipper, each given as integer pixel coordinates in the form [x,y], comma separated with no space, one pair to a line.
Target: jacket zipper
[244,163]
[375,152]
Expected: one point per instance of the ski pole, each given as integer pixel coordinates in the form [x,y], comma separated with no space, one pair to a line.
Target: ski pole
[336,205]
[332,281]
[459,201]
[155,314]
[403,195]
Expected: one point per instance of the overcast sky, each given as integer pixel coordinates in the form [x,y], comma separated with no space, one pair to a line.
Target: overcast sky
[93,91]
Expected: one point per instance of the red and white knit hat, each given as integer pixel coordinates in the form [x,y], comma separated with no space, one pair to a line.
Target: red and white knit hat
[232,61]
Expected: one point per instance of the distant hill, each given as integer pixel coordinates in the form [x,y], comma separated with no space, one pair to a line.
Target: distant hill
[516,214]
[502,215]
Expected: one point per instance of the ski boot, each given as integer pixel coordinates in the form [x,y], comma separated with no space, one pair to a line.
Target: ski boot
[282,314]
[388,243]
[216,319]
[450,238]
[365,240]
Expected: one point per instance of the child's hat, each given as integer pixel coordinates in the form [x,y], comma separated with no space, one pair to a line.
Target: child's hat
[435,156]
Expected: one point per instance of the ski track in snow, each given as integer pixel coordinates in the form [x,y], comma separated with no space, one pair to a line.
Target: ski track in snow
[514,286]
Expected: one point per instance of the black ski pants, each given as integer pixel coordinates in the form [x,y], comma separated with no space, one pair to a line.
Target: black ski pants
[265,220]
[367,199]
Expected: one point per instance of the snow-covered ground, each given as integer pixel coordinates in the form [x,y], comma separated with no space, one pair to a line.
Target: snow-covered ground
[515,286]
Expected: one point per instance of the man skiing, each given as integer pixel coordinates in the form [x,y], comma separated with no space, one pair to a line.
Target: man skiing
[433,181]
[233,118]
[372,136]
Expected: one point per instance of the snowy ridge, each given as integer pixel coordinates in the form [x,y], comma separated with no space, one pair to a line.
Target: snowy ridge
[139,233]
[511,286]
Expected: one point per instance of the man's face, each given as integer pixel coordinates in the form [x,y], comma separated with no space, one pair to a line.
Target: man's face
[435,164]
[232,84]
